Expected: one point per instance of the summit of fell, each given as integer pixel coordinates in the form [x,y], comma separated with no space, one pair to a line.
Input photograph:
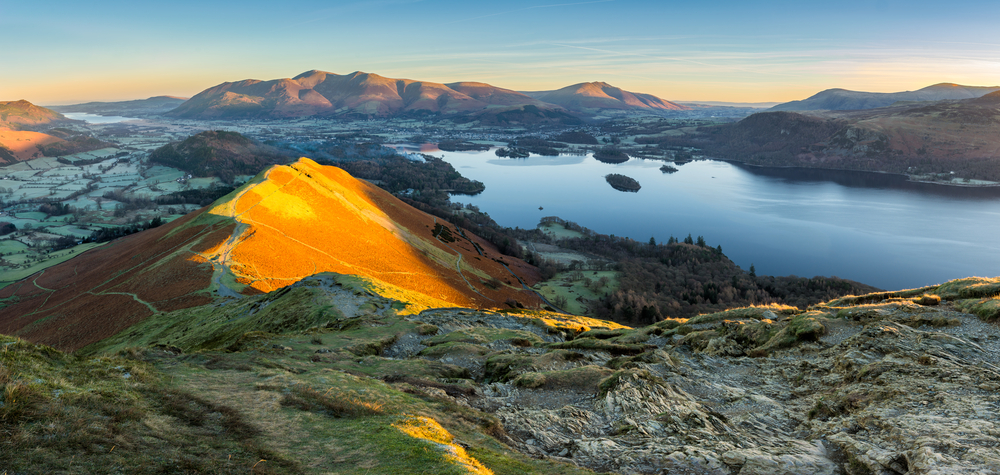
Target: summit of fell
[23,136]
[218,153]
[843,99]
[601,95]
[288,223]
[17,115]
[358,93]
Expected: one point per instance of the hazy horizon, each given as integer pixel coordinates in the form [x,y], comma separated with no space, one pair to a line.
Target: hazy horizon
[725,51]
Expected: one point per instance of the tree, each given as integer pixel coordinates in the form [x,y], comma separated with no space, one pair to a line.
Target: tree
[701,241]
[753,272]
[652,241]
[689,239]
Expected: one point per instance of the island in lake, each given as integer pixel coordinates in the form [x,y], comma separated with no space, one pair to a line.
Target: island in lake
[611,155]
[622,182]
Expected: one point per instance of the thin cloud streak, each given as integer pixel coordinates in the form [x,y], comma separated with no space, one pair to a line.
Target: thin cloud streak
[683,60]
[526,8]
[329,13]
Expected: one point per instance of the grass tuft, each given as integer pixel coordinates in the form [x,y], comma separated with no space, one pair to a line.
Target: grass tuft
[332,401]
[928,299]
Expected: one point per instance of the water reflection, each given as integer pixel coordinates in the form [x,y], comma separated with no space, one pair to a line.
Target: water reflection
[852,179]
[874,228]
[97,119]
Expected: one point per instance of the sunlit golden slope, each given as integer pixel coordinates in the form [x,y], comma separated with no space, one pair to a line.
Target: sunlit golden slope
[23,144]
[286,224]
[301,219]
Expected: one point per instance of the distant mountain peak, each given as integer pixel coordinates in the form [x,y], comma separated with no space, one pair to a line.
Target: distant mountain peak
[843,99]
[598,95]
[21,113]
[313,72]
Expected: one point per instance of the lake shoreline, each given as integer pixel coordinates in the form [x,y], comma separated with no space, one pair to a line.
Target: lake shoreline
[866,227]
[909,178]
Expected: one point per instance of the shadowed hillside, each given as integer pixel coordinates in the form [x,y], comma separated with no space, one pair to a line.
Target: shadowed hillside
[18,115]
[325,373]
[140,107]
[949,141]
[842,99]
[218,153]
[18,142]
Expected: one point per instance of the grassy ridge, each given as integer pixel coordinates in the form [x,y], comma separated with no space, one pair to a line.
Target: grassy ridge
[241,387]
[295,381]
[115,414]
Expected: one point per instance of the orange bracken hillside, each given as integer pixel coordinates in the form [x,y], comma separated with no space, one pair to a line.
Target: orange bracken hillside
[301,219]
[24,144]
[288,223]
[110,288]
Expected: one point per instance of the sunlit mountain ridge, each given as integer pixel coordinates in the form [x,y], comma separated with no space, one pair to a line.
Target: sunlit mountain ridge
[360,94]
[290,222]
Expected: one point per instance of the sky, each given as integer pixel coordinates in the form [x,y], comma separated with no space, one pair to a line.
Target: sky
[61,52]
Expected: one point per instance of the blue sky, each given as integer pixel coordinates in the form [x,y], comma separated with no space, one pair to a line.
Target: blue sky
[59,52]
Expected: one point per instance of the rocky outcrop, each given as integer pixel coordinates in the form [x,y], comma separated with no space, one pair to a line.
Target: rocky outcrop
[861,142]
[874,385]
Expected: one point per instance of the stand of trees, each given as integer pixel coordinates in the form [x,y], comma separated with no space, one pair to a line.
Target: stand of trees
[622,182]
[55,209]
[461,146]
[107,234]
[429,181]
[576,137]
[218,153]
[684,279]
[611,155]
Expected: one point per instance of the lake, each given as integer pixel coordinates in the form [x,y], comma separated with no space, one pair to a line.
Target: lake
[874,228]
[97,119]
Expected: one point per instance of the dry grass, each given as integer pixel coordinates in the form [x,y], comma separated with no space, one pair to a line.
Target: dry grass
[928,299]
[114,414]
[429,430]
[333,401]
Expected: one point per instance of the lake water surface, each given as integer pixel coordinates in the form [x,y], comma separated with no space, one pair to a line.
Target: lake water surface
[97,119]
[873,228]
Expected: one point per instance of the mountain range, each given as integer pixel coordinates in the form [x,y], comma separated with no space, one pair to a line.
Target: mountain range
[842,99]
[359,94]
[927,140]
[26,132]
[136,108]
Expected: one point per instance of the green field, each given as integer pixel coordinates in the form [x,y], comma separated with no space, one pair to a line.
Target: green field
[9,276]
[8,246]
[31,215]
[558,231]
[70,230]
[578,288]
